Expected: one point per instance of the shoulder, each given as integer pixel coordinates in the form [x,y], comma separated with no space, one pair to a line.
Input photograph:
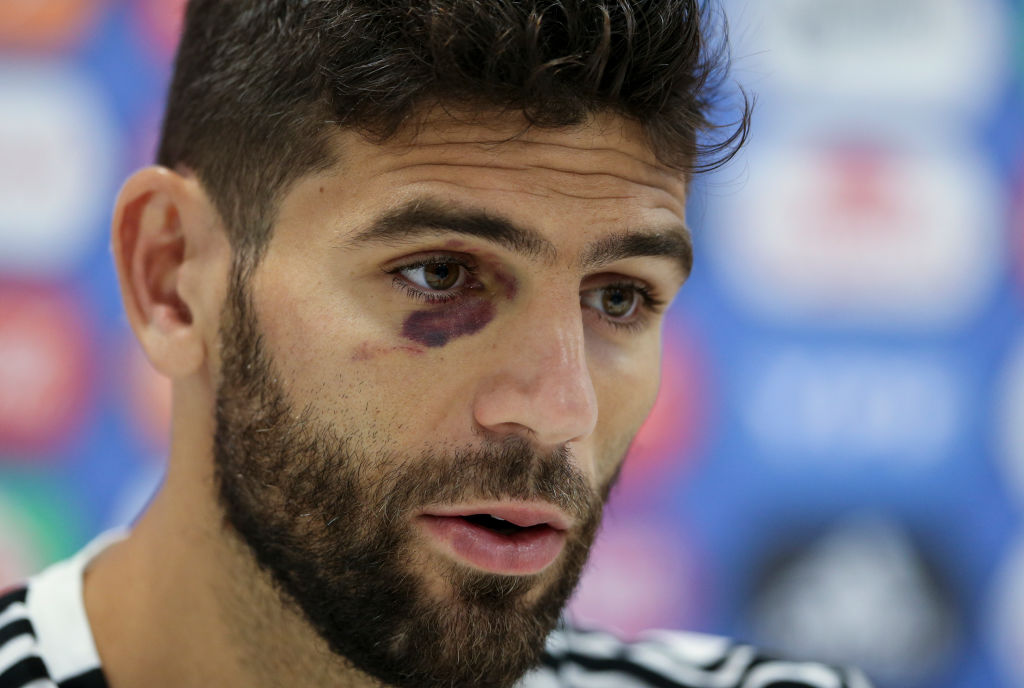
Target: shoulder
[20,663]
[45,639]
[675,659]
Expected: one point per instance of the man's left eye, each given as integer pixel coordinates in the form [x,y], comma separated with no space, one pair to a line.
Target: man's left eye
[436,276]
[617,301]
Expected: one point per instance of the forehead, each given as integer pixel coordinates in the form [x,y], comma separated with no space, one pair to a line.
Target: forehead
[593,178]
[608,153]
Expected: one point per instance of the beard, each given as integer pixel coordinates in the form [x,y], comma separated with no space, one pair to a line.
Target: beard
[331,521]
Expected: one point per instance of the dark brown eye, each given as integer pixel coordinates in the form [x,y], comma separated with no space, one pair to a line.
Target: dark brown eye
[441,276]
[436,276]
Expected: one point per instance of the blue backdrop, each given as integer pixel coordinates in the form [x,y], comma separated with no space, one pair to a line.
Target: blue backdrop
[835,465]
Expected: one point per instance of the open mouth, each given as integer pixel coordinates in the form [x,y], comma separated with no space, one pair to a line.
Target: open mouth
[500,525]
[494,543]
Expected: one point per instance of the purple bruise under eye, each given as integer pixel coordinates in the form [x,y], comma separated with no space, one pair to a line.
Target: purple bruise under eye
[438,327]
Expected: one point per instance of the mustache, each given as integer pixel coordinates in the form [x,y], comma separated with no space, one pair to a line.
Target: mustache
[511,469]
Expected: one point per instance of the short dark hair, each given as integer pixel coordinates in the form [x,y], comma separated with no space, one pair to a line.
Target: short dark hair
[259,85]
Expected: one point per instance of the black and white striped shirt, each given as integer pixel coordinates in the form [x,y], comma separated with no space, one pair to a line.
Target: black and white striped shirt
[674,659]
[45,642]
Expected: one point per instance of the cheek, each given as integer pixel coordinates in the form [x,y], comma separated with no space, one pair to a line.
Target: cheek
[610,465]
[626,394]
[368,351]
[625,400]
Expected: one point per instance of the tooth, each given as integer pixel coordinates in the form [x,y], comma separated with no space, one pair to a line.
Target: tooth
[496,518]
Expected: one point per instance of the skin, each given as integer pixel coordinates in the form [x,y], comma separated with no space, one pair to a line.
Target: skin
[524,353]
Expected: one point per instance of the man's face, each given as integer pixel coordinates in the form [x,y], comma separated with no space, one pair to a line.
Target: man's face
[431,379]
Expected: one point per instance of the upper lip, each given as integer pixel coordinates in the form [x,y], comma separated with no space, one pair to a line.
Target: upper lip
[522,514]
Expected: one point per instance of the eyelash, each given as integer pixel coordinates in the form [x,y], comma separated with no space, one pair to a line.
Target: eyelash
[649,303]
[432,297]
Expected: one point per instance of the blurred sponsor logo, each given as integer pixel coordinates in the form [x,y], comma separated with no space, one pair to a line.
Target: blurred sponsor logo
[948,53]
[638,577]
[863,594]
[863,235]
[1006,612]
[905,409]
[668,436]
[1011,420]
[48,24]
[44,369]
[160,21]
[56,167]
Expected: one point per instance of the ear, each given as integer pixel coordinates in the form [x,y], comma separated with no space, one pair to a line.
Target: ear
[162,230]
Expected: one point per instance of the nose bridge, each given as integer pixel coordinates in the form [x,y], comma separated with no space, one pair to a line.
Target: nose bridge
[556,373]
[562,356]
[543,380]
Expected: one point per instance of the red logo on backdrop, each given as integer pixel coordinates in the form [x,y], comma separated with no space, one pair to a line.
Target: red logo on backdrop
[866,233]
[671,432]
[161,22]
[47,24]
[44,369]
[858,191]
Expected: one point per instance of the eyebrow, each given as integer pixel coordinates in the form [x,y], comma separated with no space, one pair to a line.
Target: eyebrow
[670,242]
[428,216]
[419,217]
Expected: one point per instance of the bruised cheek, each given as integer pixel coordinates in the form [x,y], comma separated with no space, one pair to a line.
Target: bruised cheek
[437,327]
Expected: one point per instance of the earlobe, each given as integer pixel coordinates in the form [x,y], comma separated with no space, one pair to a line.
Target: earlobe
[150,245]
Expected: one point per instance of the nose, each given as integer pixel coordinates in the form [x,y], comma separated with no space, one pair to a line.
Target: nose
[540,385]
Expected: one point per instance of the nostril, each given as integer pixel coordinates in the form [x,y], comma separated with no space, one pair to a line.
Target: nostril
[541,386]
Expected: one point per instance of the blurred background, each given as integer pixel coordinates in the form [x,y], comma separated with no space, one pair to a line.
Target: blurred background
[835,465]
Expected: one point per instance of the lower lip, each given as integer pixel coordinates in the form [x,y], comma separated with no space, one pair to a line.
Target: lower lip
[523,553]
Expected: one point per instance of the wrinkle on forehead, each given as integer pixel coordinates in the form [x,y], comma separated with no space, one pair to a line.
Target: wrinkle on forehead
[591,180]
[607,146]
[655,199]
[593,167]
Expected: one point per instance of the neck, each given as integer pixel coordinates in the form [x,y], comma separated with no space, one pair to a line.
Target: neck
[181,602]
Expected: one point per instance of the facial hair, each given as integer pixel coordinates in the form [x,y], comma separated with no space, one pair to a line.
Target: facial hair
[330,520]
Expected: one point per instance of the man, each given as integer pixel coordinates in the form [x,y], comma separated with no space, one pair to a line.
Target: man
[406,264]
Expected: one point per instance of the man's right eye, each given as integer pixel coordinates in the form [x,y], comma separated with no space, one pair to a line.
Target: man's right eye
[436,276]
